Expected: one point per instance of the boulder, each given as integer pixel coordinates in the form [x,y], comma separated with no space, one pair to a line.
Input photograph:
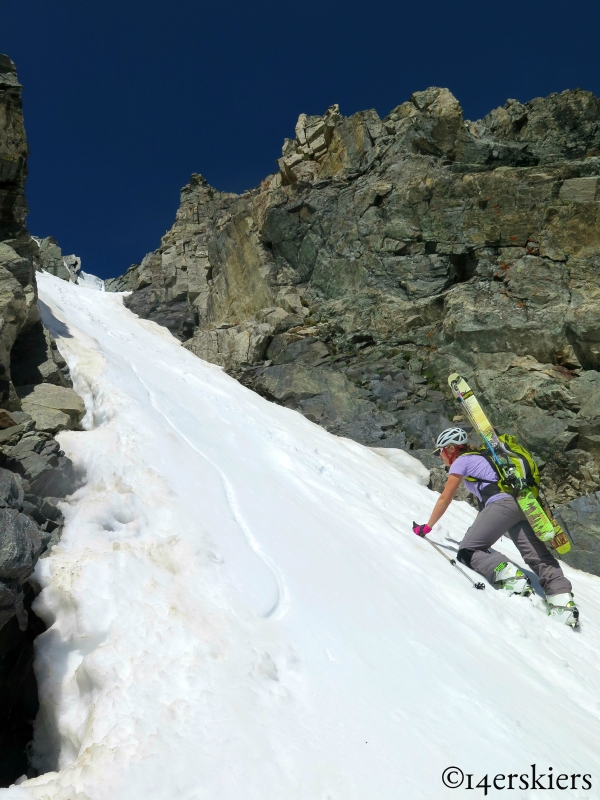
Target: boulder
[19,267]
[231,346]
[6,419]
[581,518]
[11,490]
[11,435]
[20,546]
[53,408]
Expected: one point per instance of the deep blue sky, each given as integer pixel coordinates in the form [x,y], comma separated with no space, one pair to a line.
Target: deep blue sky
[124,100]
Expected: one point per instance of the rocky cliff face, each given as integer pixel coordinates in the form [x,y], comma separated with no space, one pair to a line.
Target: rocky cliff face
[385,254]
[36,398]
[36,401]
[13,152]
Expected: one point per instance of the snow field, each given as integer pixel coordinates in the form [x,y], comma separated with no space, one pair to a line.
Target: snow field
[238,607]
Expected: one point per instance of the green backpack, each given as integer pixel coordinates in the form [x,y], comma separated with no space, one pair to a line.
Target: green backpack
[515,456]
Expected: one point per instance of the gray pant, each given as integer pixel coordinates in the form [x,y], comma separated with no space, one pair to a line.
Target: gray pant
[505,516]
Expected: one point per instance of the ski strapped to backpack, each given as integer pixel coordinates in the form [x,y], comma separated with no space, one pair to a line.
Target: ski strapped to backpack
[520,458]
[518,472]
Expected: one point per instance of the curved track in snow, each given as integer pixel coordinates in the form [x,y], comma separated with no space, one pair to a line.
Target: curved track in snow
[282,602]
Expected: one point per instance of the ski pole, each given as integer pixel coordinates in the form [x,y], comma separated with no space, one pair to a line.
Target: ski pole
[454,564]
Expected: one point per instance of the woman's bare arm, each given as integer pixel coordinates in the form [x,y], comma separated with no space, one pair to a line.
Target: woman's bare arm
[444,499]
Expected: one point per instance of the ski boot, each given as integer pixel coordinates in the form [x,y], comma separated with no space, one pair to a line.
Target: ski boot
[510,579]
[562,608]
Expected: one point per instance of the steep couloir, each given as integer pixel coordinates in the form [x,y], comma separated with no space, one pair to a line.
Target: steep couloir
[385,254]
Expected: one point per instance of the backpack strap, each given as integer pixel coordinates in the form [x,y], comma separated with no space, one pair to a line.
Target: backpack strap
[485,488]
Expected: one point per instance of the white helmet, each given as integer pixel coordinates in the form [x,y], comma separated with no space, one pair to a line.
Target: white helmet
[451,436]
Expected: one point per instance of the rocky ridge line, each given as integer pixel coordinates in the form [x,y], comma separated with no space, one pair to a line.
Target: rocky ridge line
[386,253]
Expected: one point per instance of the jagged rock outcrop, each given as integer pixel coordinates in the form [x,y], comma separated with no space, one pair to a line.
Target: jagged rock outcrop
[36,401]
[50,259]
[386,253]
[13,152]
[36,395]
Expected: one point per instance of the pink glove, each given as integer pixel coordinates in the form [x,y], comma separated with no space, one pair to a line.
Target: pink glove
[421,530]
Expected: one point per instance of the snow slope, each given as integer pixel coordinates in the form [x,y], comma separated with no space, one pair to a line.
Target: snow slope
[239,609]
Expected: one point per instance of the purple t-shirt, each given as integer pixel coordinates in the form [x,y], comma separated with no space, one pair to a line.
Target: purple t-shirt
[476,467]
